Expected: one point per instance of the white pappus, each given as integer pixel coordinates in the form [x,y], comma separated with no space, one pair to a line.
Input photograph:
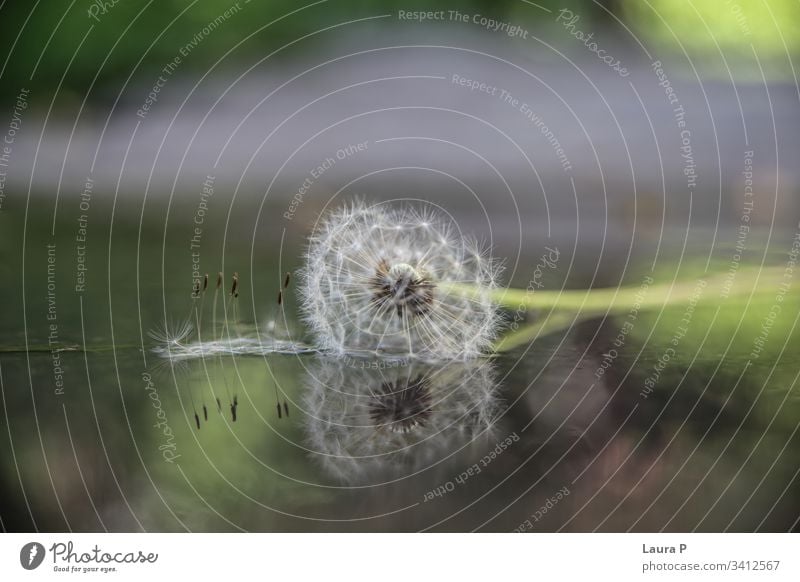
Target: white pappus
[397,281]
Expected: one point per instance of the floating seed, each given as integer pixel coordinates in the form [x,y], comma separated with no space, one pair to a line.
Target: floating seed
[287,280]
[279,410]
[205,283]
[219,279]
[205,412]
[197,420]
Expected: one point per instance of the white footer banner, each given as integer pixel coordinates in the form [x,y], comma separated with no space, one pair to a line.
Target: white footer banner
[351,557]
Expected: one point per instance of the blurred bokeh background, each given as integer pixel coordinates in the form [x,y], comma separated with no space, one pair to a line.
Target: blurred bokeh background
[147,141]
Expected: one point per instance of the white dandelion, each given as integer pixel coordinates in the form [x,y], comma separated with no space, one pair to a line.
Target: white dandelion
[393,281]
[378,419]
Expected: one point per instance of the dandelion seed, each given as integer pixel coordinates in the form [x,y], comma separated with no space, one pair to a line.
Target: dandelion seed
[386,281]
[179,367]
[172,335]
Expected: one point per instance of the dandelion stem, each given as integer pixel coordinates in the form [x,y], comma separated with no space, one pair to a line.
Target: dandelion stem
[621,299]
[528,333]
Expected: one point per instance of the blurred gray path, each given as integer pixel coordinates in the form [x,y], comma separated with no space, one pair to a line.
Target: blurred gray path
[533,125]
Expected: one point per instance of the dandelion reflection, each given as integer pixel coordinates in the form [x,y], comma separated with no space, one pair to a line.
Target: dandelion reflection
[375,420]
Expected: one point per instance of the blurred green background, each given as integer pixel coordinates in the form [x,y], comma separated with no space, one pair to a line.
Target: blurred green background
[132,36]
[714,446]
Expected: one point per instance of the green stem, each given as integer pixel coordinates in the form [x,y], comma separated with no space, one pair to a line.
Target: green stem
[622,299]
[530,332]
[568,305]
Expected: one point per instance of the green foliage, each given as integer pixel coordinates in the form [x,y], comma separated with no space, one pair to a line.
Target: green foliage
[48,40]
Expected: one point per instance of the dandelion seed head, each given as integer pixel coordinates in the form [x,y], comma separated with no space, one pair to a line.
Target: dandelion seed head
[385,280]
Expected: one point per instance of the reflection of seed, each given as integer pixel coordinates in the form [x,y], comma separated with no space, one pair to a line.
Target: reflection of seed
[286,408]
[196,289]
[205,412]
[286,281]
[402,406]
[233,412]
[219,405]
[280,297]
[205,283]
[279,410]
[197,420]
[219,279]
